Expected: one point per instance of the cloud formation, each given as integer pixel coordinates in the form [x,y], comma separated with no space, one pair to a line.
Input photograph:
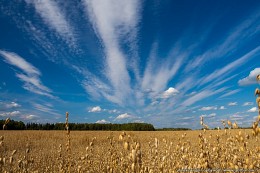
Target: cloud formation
[95,109]
[8,105]
[115,22]
[222,107]
[30,117]
[230,93]
[253,109]
[250,79]
[207,108]
[103,121]
[124,116]
[209,115]
[10,114]
[232,104]
[248,104]
[45,107]
[169,93]
[30,75]
[54,18]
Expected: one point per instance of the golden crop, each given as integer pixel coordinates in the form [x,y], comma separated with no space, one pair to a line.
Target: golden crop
[103,151]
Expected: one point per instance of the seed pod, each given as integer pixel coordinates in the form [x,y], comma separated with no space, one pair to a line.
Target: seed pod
[14,151]
[133,166]
[126,146]
[134,155]
[11,160]
[156,142]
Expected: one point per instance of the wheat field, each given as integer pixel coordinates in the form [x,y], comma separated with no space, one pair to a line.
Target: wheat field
[231,150]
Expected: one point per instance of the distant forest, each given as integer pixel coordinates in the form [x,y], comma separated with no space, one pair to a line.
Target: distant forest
[19,125]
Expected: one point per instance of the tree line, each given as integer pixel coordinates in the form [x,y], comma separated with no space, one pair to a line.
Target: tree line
[173,129]
[19,125]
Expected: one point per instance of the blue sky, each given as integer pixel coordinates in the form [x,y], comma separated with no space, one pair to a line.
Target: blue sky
[161,62]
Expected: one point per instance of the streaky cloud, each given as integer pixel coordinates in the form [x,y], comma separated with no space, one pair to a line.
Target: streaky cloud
[55,19]
[247,29]
[114,21]
[202,95]
[221,73]
[30,75]
[230,93]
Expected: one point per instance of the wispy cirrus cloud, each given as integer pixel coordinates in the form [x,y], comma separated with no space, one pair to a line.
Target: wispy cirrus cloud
[29,74]
[46,108]
[209,115]
[236,117]
[124,116]
[114,22]
[221,73]
[156,76]
[30,117]
[10,114]
[230,93]
[243,31]
[248,104]
[8,105]
[202,95]
[55,19]
[207,108]
[232,104]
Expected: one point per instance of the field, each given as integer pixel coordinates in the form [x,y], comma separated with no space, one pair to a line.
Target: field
[107,151]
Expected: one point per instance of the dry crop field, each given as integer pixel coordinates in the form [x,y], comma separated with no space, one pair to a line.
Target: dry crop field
[231,150]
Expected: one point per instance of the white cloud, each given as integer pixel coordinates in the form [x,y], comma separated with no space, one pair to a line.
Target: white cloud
[138,121]
[212,115]
[253,109]
[113,111]
[169,93]
[19,62]
[220,73]
[236,117]
[209,115]
[157,75]
[11,105]
[222,107]
[47,108]
[232,104]
[187,118]
[30,117]
[124,116]
[154,103]
[250,79]
[230,93]
[207,108]
[201,95]
[10,114]
[102,121]
[244,31]
[115,22]
[248,104]
[30,75]
[54,18]
[95,109]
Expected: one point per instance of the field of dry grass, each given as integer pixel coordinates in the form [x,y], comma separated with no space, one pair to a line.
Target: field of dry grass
[106,151]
